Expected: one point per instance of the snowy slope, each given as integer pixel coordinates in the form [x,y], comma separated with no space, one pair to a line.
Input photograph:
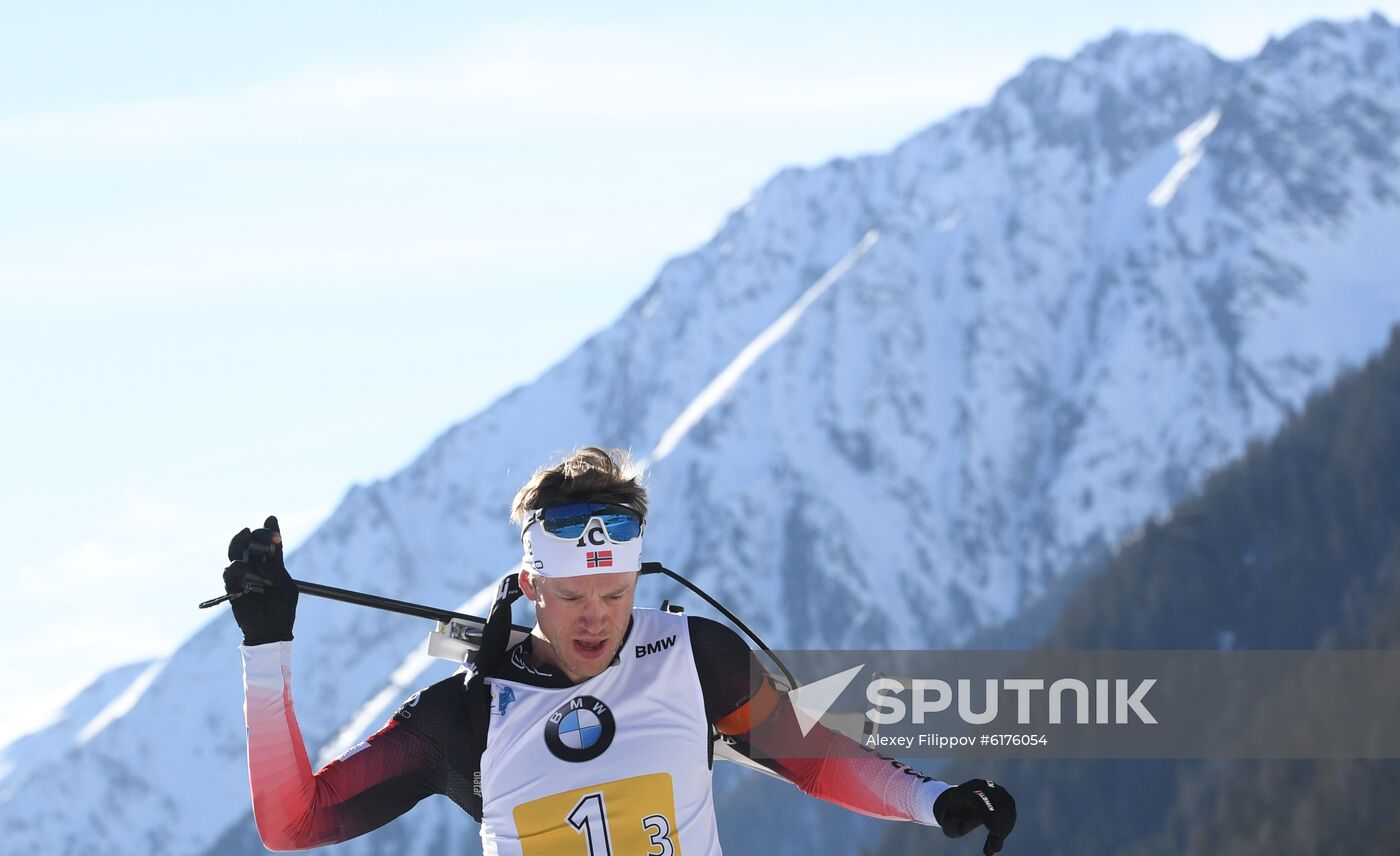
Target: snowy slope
[83,715]
[1039,323]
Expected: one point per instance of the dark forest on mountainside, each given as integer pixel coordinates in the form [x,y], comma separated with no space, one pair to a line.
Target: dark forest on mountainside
[1294,546]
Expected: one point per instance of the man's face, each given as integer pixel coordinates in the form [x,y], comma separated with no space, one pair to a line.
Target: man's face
[581,619]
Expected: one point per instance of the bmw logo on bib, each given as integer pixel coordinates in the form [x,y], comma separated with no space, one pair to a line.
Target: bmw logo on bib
[580,729]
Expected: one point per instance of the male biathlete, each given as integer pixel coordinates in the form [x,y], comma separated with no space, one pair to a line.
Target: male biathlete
[592,736]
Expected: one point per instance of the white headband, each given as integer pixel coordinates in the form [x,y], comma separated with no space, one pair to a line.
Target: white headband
[592,553]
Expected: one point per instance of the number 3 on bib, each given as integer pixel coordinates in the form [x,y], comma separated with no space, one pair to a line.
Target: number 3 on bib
[620,818]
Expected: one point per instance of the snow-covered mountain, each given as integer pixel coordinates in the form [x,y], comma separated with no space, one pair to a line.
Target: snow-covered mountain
[887,405]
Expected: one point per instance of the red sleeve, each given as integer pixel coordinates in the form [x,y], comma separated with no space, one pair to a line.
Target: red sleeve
[831,766]
[373,783]
[742,704]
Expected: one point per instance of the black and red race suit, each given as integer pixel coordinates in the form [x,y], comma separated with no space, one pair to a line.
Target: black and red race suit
[429,746]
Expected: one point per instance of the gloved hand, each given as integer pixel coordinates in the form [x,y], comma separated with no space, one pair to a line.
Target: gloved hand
[265,616]
[974,803]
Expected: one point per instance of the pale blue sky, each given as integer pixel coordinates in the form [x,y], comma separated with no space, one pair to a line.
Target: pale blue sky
[251,255]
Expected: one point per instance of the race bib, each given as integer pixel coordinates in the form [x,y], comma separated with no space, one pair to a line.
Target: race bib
[626,817]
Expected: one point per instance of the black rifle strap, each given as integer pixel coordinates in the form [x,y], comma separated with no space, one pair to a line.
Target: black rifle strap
[495,638]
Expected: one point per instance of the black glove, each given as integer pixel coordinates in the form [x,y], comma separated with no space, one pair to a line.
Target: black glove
[974,803]
[266,615]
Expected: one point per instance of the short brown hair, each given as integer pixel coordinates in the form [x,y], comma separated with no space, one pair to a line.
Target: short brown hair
[591,474]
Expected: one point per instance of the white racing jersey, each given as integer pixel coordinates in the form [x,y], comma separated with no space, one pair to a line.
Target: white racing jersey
[618,765]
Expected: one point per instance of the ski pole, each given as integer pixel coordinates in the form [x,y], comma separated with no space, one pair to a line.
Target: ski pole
[373,601]
[471,625]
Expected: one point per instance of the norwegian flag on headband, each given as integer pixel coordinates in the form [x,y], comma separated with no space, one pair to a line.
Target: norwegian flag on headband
[600,559]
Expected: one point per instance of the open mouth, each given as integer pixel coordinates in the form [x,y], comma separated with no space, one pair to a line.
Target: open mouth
[590,649]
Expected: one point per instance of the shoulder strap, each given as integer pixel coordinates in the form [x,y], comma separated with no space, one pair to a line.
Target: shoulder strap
[495,637]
